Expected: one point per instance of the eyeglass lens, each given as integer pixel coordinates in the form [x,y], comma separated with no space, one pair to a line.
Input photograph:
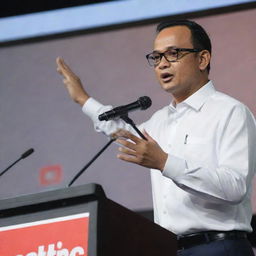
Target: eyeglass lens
[155,57]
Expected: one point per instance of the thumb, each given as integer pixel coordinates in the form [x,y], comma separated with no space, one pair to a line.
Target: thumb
[149,138]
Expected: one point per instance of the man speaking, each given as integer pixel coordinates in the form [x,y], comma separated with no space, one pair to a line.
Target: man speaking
[201,148]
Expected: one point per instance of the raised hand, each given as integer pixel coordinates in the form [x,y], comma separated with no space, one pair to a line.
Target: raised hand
[72,82]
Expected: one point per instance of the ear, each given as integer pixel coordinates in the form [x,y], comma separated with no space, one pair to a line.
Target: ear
[204,59]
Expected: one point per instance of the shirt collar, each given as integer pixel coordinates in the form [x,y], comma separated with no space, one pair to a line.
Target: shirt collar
[197,100]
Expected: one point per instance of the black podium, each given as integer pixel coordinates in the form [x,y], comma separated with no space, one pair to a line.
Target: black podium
[78,221]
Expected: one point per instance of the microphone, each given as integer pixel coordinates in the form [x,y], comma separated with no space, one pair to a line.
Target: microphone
[27,153]
[24,155]
[142,103]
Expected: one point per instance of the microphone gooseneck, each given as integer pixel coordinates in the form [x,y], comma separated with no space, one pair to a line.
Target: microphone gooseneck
[24,155]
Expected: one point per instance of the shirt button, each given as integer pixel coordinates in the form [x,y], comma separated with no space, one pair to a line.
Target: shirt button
[164,212]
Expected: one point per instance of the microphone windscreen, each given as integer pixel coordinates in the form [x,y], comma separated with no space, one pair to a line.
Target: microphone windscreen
[27,153]
[145,102]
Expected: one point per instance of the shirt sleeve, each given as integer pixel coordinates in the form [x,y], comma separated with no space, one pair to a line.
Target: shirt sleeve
[92,108]
[230,181]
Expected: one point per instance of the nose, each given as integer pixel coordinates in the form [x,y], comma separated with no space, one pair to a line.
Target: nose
[164,63]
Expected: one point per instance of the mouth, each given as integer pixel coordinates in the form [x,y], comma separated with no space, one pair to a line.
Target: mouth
[166,77]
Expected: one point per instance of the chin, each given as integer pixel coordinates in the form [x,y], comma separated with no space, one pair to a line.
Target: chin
[169,87]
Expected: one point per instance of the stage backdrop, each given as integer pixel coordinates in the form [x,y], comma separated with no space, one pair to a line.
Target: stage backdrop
[35,110]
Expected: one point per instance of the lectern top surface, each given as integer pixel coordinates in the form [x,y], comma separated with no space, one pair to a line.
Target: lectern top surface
[88,190]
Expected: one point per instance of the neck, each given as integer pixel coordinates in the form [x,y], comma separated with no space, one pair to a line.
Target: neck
[179,97]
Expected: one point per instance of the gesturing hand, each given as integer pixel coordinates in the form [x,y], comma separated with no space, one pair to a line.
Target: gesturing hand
[146,153]
[72,82]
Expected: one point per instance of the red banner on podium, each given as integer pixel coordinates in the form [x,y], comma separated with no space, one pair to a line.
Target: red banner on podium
[63,236]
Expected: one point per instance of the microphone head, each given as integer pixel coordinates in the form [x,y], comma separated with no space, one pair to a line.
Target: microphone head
[145,102]
[27,153]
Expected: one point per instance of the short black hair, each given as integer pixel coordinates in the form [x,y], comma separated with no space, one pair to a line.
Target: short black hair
[200,38]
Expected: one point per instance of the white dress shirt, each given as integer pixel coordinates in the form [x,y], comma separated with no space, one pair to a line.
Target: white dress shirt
[210,139]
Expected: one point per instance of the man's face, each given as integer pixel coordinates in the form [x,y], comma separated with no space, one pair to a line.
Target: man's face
[183,77]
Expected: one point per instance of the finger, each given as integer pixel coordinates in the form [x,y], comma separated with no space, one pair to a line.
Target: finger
[127,144]
[120,133]
[127,158]
[117,133]
[65,81]
[59,62]
[149,138]
[64,65]
[126,134]
[64,68]
[127,151]
[60,66]
[59,71]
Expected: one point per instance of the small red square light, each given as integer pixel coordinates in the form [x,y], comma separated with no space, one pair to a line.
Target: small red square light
[50,175]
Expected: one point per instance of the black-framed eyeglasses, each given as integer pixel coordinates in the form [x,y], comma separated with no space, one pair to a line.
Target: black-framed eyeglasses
[171,55]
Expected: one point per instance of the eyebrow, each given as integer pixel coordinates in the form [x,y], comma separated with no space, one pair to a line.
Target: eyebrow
[166,49]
